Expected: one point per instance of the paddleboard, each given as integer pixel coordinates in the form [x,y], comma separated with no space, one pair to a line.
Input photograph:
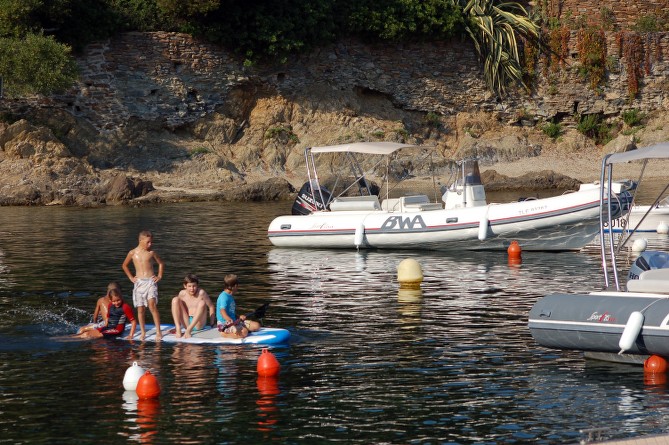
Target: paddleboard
[265,336]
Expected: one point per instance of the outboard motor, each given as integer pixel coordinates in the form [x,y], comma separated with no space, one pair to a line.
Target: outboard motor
[650,259]
[304,202]
[621,204]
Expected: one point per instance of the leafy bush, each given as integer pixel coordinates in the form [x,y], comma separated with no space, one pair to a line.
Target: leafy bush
[587,124]
[397,20]
[433,120]
[35,64]
[552,129]
[632,117]
[283,134]
[199,151]
[592,126]
[592,55]
[646,23]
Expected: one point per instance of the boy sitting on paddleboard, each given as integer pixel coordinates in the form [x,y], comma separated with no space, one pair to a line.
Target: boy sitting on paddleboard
[192,308]
[228,324]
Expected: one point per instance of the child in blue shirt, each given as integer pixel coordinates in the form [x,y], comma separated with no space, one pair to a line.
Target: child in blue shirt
[228,324]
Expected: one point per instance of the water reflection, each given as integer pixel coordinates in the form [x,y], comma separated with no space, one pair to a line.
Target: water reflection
[452,362]
[141,417]
[268,391]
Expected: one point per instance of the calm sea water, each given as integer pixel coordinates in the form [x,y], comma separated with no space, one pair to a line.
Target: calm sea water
[452,363]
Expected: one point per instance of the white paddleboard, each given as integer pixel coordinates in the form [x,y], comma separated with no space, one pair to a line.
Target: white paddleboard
[265,336]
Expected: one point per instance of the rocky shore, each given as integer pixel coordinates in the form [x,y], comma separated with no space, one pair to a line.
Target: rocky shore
[159,117]
[62,162]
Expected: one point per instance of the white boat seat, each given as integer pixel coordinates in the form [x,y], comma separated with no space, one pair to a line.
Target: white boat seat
[391,205]
[415,199]
[425,206]
[648,286]
[349,203]
[655,274]
[651,281]
[410,204]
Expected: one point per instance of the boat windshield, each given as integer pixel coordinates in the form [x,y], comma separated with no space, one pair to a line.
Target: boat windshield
[470,173]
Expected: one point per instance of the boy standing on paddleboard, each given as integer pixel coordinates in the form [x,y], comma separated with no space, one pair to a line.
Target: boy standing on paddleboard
[145,291]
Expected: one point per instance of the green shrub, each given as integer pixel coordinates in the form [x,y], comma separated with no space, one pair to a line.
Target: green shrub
[199,151]
[646,23]
[282,134]
[592,126]
[632,117]
[587,124]
[35,64]
[402,132]
[552,129]
[433,120]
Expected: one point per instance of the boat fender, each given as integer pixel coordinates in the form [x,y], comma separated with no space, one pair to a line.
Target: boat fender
[359,235]
[639,245]
[483,229]
[631,331]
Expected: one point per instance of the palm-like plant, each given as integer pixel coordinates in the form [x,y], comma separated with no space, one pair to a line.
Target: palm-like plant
[493,26]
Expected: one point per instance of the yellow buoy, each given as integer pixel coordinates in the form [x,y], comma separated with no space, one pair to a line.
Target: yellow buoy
[409,274]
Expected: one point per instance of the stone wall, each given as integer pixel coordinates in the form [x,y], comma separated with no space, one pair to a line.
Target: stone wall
[565,91]
[173,79]
[625,13]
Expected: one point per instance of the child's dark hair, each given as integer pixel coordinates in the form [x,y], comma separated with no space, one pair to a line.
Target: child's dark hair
[191,278]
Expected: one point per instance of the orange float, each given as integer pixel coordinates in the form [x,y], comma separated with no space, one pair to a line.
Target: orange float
[268,365]
[147,386]
[655,365]
[513,251]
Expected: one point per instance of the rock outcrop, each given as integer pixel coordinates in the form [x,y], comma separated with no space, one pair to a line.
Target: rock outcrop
[161,117]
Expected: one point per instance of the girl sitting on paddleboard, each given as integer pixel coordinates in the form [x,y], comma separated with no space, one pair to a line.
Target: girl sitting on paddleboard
[118,314]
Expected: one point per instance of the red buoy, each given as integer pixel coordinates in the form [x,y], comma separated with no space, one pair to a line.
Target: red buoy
[268,365]
[655,365]
[147,386]
[514,251]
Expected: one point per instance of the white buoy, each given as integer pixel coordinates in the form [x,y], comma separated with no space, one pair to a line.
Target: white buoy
[639,245]
[409,274]
[631,331]
[131,377]
[359,235]
[663,228]
[483,228]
